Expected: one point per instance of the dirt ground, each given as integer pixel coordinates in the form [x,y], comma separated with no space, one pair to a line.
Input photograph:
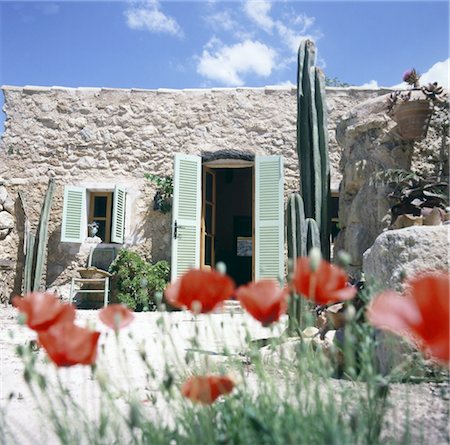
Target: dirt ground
[427,404]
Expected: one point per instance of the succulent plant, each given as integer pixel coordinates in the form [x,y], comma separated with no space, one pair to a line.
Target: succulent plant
[411,77]
[433,91]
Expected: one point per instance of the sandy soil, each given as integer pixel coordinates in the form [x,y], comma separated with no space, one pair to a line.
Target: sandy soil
[428,404]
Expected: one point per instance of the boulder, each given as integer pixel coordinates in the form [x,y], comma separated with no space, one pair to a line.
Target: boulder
[8,205]
[4,233]
[3,194]
[406,252]
[6,220]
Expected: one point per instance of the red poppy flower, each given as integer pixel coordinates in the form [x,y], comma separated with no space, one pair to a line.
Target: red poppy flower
[327,284]
[423,313]
[42,310]
[206,389]
[67,344]
[202,288]
[116,316]
[264,300]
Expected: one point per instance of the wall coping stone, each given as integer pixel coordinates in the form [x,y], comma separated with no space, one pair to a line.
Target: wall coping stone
[30,89]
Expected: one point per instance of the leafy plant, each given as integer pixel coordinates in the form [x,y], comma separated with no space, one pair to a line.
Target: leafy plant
[137,281]
[164,192]
[410,193]
[335,82]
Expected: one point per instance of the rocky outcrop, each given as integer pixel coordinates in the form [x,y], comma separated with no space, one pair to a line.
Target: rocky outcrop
[397,254]
[372,147]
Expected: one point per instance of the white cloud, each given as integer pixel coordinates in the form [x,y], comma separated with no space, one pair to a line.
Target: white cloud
[221,20]
[148,16]
[258,11]
[298,28]
[372,85]
[286,83]
[439,72]
[304,22]
[226,64]
[292,38]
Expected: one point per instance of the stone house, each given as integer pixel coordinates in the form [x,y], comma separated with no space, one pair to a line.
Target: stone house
[232,153]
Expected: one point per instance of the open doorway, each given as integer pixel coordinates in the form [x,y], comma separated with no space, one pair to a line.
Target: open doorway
[227,220]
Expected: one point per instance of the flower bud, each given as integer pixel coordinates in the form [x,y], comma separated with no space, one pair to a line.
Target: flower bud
[315,256]
[221,267]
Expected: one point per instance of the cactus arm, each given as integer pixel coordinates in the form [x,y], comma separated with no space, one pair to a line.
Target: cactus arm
[316,173]
[306,58]
[322,125]
[313,235]
[41,238]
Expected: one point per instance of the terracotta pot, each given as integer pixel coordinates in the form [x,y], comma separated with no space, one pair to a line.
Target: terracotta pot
[413,118]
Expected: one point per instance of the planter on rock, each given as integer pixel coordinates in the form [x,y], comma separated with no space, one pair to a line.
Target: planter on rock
[413,118]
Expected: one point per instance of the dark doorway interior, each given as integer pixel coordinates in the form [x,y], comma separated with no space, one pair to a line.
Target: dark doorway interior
[234,206]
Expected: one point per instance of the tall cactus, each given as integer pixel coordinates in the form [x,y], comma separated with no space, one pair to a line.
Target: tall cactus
[311,227]
[312,146]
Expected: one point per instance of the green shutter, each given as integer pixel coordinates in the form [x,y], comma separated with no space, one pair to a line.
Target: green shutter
[186,213]
[269,217]
[118,215]
[74,223]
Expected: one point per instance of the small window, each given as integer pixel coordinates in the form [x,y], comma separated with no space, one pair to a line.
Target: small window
[83,207]
[100,210]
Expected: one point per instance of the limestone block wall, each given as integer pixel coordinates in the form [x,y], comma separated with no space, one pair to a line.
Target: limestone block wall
[97,136]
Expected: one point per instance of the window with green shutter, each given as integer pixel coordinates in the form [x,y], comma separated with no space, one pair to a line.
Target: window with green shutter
[85,208]
[186,213]
[118,215]
[73,228]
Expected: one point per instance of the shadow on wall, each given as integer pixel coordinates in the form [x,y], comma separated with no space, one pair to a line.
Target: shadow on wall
[151,237]
[60,259]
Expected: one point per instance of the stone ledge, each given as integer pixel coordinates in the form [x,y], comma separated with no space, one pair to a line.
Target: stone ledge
[32,89]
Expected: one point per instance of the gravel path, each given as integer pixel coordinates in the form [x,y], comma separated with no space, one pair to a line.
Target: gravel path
[428,404]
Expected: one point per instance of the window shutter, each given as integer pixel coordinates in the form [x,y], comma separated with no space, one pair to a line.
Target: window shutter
[186,211]
[74,224]
[118,215]
[269,217]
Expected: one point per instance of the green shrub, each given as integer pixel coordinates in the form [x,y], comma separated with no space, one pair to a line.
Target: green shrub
[136,281]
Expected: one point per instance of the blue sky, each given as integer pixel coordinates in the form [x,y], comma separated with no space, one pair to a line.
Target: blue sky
[181,44]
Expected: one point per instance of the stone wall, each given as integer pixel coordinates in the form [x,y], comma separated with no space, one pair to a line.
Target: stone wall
[98,136]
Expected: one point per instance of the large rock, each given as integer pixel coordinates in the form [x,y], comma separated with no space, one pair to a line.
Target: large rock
[6,220]
[407,252]
[372,151]
[3,194]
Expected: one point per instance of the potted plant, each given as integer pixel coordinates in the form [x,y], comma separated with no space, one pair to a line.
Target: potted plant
[164,192]
[412,109]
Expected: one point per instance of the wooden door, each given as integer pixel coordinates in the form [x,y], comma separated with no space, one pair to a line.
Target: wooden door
[208,221]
